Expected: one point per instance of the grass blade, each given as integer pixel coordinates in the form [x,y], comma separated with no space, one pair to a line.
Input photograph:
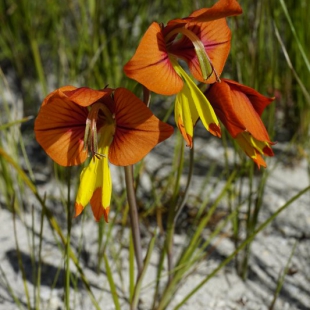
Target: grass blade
[241,246]
[111,283]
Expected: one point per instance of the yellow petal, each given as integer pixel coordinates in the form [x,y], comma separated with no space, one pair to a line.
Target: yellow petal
[186,114]
[196,98]
[252,147]
[101,199]
[95,180]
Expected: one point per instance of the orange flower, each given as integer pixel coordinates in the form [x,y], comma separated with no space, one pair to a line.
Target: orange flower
[239,108]
[204,45]
[112,125]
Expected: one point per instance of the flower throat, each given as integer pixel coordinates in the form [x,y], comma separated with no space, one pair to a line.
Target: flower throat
[99,130]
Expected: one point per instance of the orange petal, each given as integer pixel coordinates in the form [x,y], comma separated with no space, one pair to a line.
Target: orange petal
[78,209]
[85,96]
[96,205]
[60,90]
[137,129]
[258,101]
[187,137]
[59,129]
[258,160]
[221,9]
[215,37]
[150,65]
[236,111]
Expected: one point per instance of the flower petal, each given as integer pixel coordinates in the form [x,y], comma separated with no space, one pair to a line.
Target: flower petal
[151,66]
[195,98]
[137,129]
[185,132]
[97,207]
[258,101]
[221,9]
[244,141]
[237,106]
[186,115]
[85,96]
[60,90]
[236,110]
[59,129]
[95,187]
[88,179]
[215,37]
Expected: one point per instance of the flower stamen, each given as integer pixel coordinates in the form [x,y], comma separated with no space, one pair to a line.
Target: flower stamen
[91,130]
[206,66]
[99,156]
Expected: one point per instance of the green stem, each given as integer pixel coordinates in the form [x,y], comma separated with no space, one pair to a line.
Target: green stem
[38,63]
[175,214]
[172,212]
[189,178]
[19,259]
[67,261]
[282,278]
[171,286]
[137,289]
[134,219]
[131,197]
[37,306]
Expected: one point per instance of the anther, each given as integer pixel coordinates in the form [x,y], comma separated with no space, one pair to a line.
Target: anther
[99,156]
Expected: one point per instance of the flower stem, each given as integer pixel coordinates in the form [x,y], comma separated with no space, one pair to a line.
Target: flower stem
[189,178]
[134,220]
[131,197]
[67,257]
[174,214]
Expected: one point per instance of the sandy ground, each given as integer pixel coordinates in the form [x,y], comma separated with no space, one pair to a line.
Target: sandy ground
[270,253]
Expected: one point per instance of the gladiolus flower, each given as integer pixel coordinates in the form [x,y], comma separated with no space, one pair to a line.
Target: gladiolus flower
[204,45]
[239,108]
[111,125]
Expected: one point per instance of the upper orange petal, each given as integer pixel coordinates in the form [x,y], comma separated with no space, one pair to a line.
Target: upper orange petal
[137,129]
[150,65]
[59,129]
[220,9]
[60,90]
[215,37]
[234,108]
[85,96]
